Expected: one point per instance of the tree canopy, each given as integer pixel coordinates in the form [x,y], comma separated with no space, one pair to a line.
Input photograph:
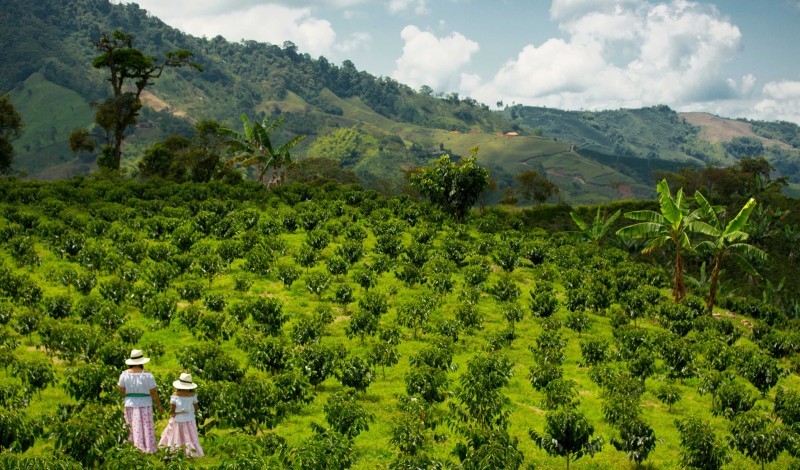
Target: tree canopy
[127,66]
[454,187]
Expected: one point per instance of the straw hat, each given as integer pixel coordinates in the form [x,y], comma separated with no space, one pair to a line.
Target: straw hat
[184,383]
[137,358]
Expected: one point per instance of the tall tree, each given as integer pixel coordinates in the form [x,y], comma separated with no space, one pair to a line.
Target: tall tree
[10,129]
[728,240]
[453,187]
[160,160]
[254,147]
[131,71]
[206,151]
[531,185]
[670,227]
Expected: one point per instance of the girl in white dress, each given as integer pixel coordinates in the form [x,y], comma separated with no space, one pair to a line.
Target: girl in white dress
[182,428]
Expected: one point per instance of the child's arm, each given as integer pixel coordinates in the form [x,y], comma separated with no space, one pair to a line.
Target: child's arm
[172,410]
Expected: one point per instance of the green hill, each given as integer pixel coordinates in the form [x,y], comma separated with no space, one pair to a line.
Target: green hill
[45,53]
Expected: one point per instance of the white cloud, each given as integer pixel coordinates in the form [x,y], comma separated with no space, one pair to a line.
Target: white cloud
[418,6]
[355,42]
[430,60]
[745,87]
[623,53]
[783,90]
[564,10]
[781,102]
[250,19]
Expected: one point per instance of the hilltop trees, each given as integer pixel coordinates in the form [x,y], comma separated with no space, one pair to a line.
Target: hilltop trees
[10,129]
[127,66]
[454,187]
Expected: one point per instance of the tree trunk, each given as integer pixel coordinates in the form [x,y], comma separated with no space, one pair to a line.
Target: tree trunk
[678,287]
[119,135]
[712,290]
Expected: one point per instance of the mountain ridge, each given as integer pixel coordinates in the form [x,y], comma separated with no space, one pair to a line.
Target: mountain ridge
[317,97]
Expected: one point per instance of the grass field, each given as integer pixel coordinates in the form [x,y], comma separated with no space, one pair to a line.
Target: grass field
[49,113]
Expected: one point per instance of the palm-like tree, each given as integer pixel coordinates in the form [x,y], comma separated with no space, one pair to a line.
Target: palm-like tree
[727,240]
[254,147]
[593,233]
[670,227]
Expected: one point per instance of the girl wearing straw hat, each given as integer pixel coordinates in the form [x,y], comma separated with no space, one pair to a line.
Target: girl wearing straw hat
[182,428]
[139,389]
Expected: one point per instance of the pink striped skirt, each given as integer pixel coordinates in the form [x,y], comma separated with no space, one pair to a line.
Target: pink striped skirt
[140,421]
[182,434]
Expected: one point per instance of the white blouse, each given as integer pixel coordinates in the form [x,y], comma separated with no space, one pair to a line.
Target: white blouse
[137,383]
[184,407]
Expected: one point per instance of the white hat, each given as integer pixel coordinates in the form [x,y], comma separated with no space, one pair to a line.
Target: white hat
[185,382]
[137,358]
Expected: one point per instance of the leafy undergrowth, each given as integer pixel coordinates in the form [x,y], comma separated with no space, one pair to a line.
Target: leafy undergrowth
[332,327]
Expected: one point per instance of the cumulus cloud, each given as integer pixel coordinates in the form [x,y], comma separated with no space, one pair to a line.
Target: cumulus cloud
[250,19]
[354,42]
[743,88]
[781,102]
[622,53]
[563,10]
[417,6]
[430,60]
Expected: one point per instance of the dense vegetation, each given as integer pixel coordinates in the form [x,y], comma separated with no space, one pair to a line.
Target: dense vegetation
[655,133]
[331,327]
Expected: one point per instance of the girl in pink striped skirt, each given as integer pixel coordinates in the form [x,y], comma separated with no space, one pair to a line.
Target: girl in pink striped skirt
[139,389]
[182,428]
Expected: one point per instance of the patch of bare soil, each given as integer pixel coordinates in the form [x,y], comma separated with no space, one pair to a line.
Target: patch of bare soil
[718,130]
[152,101]
[625,191]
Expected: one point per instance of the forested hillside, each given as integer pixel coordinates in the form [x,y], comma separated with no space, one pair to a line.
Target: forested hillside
[46,55]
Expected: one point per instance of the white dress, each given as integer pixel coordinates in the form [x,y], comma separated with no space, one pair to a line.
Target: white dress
[181,432]
[139,408]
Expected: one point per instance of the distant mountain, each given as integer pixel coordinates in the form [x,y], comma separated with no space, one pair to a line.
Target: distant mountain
[46,54]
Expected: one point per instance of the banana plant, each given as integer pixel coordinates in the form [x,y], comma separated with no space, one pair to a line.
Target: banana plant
[593,233]
[670,227]
[727,240]
[254,147]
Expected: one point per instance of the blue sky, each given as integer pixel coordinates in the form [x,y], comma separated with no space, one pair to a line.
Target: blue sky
[733,58]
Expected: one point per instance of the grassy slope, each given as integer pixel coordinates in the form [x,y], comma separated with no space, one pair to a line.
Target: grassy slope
[372,448]
[49,113]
